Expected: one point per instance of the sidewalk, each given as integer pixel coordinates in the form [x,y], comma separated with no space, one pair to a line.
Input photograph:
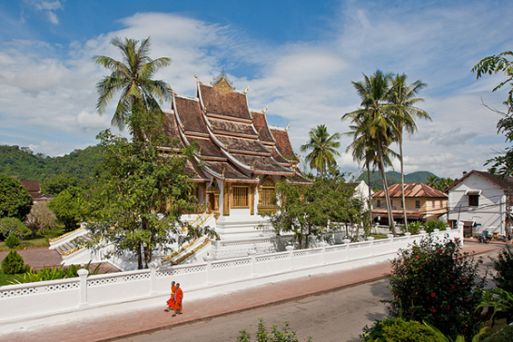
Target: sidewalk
[102,324]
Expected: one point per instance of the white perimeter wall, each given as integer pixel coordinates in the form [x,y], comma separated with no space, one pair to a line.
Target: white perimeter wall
[31,300]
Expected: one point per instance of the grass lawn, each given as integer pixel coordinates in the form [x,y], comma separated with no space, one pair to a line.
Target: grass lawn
[6,279]
[378,236]
[38,241]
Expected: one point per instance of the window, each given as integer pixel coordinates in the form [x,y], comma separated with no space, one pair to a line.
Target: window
[379,204]
[417,204]
[240,197]
[473,200]
[267,196]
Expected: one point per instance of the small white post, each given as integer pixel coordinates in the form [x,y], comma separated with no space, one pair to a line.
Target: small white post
[153,277]
[252,254]
[82,274]
[371,240]
[290,249]
[460,232]
[346,243]
[390,237]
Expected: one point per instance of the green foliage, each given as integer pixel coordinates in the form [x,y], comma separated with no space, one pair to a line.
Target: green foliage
[13,226]
[500,301]
[54,184]
[48,273]
[143,196]
[503,335]
[13,263]
[504,267]
[322,148]
[307,210]
[12,241]
[430,226]
[394,177]
[398,330]
[438,284]
[501,63]
[70,206]
[22,163]
[15,200]
[415,227]
[277,334]
[440,183]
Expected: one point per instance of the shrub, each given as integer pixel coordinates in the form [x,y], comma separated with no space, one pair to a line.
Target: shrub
[41,218]
[415,227]
[15,200]
[504,267]
[503,335]
[12,225]
[438,284]
[430,226]
[283,334]
[13,263]
[398,330]
[12,241]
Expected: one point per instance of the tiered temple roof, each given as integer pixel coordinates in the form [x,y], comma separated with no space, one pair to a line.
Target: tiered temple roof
[234,144]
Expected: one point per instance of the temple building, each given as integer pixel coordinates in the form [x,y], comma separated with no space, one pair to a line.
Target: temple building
[239,156]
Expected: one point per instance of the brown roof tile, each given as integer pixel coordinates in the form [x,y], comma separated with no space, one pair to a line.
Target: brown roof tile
[238,144]
[228,171]
[206,147]
[263,164]
[416,190]
[281,136]
[230,103]
[190,114]
[230,127]
[260,123]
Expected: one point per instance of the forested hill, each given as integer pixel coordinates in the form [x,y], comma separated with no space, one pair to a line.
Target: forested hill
[394,177]
[24,164]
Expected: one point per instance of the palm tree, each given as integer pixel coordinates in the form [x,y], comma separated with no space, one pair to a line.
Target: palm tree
[138,105]
[404,112]
[373,122]
[323,147]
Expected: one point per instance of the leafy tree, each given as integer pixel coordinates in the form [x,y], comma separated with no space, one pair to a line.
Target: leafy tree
[440,183]
[323,149]
[306,211]
[138,105]
[70,206]
[436,283]
[53,185]
[373,120]
[12,241]
[15,200]
[13,226]
[501,63]
[13,263]
[404,112]
[140,198]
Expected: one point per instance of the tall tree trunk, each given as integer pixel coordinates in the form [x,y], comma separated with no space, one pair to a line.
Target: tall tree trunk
[402,183]
[140,256]
[387,195]
[369,200]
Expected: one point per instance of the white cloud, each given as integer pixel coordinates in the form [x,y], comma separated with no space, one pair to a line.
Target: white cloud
[307,83]
[48,7]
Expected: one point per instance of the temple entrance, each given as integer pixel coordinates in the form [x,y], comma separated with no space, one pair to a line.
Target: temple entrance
[213,199]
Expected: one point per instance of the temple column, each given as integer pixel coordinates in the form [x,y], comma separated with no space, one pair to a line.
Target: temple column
[226,196]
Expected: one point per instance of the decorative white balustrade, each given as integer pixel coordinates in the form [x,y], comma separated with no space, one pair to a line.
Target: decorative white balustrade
[19,302]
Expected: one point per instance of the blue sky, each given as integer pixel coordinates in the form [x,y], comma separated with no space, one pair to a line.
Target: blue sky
[298,58]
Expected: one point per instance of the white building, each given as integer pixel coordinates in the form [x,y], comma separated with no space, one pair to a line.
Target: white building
[361,191]
[482,201]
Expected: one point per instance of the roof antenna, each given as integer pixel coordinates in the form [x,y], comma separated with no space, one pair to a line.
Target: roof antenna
[245,91]
[265,109]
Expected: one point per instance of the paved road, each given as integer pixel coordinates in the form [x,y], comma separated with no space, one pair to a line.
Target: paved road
[335,316]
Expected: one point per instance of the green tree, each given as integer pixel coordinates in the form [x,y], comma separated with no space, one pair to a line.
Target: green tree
[15,200]
[13,263]
[277,334]
[53,185]
[139,199]
[70,206]
[323,149]
[138,105]
[306,211]
[501,63]
[404,112]
[374,120]
[13,226]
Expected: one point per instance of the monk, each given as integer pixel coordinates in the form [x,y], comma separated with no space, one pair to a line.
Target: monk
[171,301]
[178,300]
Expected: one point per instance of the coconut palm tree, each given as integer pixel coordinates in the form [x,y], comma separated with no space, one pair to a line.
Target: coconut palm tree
[373,122]
[404,112]
[138,105]
[323,149]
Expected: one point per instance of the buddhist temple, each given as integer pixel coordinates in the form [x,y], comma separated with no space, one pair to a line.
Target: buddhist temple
[239,157]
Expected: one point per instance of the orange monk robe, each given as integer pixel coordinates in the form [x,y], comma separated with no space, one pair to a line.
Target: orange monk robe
[171,300]
[178,297]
